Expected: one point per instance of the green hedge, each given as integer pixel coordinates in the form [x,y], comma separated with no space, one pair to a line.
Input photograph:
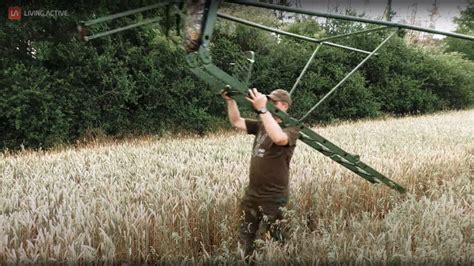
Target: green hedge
[55,89]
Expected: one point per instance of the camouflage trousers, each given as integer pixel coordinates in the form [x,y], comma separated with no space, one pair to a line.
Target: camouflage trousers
[261,220]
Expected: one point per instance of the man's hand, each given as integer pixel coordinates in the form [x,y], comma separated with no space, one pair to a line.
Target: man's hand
[257,99]
[225,96]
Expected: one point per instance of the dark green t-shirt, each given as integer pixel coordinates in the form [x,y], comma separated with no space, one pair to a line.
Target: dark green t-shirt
[270,163]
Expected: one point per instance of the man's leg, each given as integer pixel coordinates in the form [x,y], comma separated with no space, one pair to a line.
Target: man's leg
[274,223]
[277,229]
[248,227]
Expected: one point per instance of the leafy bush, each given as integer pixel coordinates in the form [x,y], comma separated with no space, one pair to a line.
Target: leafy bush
[55,88]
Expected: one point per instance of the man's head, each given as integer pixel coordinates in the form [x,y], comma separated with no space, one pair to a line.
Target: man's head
[281,99]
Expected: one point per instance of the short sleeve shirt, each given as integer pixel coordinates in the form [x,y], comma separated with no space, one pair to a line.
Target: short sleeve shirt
[270,163]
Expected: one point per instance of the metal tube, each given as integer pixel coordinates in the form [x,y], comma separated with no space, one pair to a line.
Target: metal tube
[105,33]
[123,14]
[249,73]
[297,36]
[350,18]
[354,33]
[305,68]
[210,22]
[346,77]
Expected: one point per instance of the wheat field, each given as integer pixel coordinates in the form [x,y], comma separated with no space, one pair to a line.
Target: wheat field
[175,200]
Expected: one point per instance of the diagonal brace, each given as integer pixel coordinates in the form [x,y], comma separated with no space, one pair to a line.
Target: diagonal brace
[305,68]
[346,77]
[294,35]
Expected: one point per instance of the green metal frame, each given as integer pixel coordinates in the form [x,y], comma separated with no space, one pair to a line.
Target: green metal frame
[200,63]
[305,68]
[319,46]
[138,24]
[126,13]
[350,18]
[294,35]
[83,25]
[346,77]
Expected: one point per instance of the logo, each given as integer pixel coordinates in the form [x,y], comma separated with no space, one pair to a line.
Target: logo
[14,13]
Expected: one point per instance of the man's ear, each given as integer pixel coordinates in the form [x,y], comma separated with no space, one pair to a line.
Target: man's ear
[285,106]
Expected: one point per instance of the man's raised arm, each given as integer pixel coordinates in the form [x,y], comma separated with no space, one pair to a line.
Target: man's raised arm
[276,133]
[233,112]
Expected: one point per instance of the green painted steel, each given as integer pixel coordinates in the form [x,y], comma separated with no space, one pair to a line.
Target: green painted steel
[354,33]
[200,63]
[242,67]
[350,161]
[84,24]
[211,18]
[131,26]
[214,75]
[347,77]
[239,90]
[350,18]
[294,35]
[126,13]
[305,68]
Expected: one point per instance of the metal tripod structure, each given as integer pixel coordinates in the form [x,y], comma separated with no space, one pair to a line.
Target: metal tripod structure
[197,40]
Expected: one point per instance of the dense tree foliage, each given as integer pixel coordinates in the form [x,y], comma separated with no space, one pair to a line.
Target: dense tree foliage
[465,25]
[55,88]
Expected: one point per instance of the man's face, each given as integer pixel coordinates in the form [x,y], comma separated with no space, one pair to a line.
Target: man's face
[280,105]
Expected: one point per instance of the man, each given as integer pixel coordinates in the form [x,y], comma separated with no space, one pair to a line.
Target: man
[273,147]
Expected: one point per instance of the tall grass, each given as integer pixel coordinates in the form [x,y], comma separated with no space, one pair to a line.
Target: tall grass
[175,200]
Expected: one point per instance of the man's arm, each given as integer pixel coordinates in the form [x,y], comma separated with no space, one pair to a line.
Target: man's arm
[234,114]
[273,129]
